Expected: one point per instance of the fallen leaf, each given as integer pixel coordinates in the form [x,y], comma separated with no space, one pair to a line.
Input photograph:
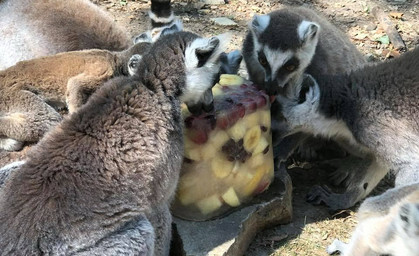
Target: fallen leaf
[360,36]
[396,15]
[383,39]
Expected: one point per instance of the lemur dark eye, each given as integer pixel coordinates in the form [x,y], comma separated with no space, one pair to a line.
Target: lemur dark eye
[263,61]
[290,67]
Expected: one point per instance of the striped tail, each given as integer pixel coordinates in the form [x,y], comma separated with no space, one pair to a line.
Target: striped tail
[161,13]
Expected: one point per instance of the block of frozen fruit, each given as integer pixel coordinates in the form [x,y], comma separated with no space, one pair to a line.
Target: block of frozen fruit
[228,153]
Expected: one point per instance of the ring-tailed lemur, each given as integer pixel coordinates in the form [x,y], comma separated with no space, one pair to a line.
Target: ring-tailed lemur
[388,224]
[95,183]
[375,111]
[283,44]
[33,91]
[34,28]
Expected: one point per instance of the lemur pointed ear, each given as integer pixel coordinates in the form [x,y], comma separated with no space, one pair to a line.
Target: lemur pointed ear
[259,23]
[212,49]
[176,26]
[203,53]
[143,38]
[308,31]
[306,89]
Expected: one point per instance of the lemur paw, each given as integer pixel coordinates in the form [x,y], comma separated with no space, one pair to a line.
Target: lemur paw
[319,194]
[336,247]
[133,64]
[9,144]
[343,178]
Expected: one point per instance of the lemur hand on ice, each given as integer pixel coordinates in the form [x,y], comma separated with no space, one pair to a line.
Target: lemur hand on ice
[101,181]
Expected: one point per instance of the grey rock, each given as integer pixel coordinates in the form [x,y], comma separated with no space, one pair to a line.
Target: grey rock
[213,1]
[223,21]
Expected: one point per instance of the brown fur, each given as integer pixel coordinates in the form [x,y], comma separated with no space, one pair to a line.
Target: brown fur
[30,89]
[34,28]
[116,158]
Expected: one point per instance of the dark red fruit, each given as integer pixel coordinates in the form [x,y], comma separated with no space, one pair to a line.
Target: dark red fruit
[261,101]
[263,185]
[250,105]
[198,136]
[237,112]
[222,122]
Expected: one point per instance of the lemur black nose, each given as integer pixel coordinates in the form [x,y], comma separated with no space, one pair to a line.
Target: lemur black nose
[271,87]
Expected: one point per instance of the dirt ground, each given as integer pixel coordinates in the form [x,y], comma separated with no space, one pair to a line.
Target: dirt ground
[313,227]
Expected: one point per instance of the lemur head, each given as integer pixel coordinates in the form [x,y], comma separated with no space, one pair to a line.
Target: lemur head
[283,45]
[144,40]
[297,108]
[183,63]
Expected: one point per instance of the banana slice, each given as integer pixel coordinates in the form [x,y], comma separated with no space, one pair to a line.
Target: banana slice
[251,138]
[209,204]
[237,131]
[261,146]
[265,118]
[228,79]
[218,138]
[230,197]
[221,167]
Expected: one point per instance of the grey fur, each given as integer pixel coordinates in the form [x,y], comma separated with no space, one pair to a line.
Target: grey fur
[111,168]
[323,49]
[31,89]
[334,53]
[34,28]
[373,112]
[388,224]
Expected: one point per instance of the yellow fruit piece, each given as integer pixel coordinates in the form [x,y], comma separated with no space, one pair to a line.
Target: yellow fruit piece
[261,146]
[216,90]
[184,110]
[230,197]
[252,185]
[208,151]
[265,118]
[193,154]
[256,160]
[185,196]
[221,167]
[228,79]
[251,138]
[208,205]
[237,131]
[218,138]
[251,119]
[191,149]
[237,167]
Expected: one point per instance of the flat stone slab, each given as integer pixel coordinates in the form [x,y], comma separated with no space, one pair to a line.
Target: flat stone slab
[232,234]
[223,21]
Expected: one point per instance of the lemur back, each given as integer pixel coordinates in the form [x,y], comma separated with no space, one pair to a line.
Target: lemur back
[33,93]
[35,28]
[374,110]
[100,183]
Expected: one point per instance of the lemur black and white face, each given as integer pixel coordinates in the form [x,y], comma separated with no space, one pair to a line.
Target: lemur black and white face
[283,46]
[184,62]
